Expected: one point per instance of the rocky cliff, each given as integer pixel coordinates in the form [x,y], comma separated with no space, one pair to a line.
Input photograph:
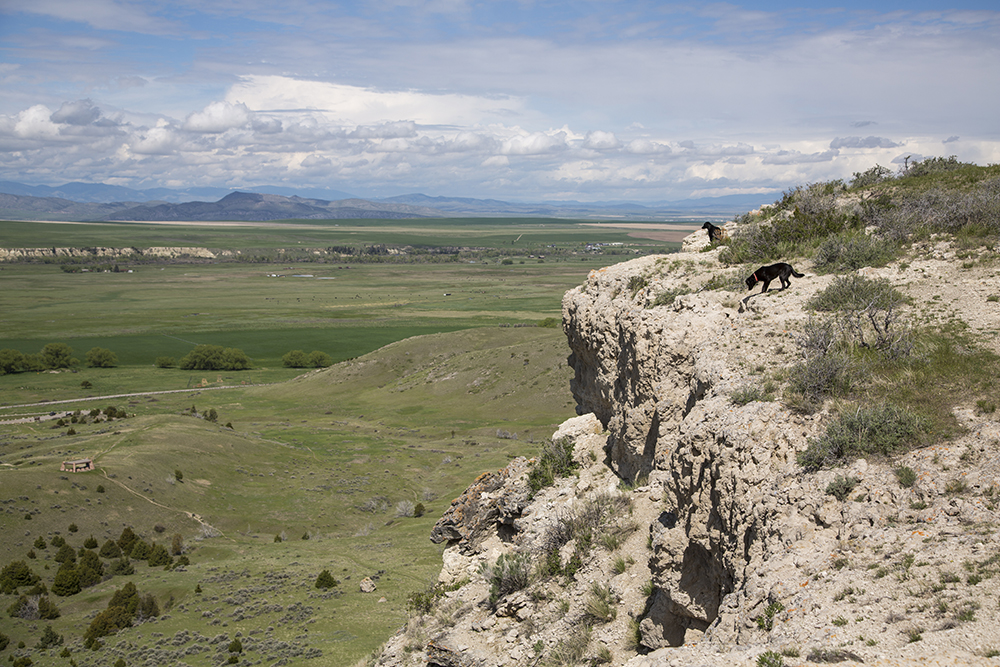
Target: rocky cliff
[100,253]
[688,533]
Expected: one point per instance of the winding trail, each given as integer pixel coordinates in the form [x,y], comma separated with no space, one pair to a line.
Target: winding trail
[190,515]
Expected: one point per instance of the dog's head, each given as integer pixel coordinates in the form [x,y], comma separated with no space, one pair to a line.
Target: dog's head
[708,225]
[751,281]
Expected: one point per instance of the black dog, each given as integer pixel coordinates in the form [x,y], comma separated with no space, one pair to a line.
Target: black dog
[715,234]
[766,274]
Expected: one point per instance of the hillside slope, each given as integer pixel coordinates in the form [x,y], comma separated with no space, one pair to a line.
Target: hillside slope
[692,533]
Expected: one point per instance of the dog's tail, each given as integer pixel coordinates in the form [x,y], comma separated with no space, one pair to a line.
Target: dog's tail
[797,274]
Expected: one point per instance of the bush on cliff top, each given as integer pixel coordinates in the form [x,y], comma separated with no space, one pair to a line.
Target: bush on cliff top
[880,430]
[555,460]
[829,220]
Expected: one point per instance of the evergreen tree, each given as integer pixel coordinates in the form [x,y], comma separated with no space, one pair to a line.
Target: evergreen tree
[127,539]
[66,554]
[49,638]
[140,550]
[67,581]
[16,574]
[110,549]
[325,580]
[158,555]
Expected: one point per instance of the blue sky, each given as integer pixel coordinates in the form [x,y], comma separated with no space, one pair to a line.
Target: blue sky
[520,100]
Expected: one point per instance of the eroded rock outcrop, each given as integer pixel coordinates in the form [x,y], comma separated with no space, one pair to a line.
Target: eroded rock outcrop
[723,546]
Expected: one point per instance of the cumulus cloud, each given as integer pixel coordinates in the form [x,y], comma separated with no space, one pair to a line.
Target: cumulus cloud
[160,140]
[80,112]
[950,140]
[36,123]
[266,125]
[534,143]
[863,142]
[646,147]
[218,117]
[601,141]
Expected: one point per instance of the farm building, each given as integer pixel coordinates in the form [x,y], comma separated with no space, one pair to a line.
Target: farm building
[79,465]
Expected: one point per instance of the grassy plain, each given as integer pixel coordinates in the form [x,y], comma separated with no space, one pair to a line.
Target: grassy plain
[429,392]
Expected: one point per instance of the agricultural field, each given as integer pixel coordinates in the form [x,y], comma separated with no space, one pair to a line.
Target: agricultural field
[442,370]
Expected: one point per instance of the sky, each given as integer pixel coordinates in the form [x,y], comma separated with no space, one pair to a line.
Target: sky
[522,100]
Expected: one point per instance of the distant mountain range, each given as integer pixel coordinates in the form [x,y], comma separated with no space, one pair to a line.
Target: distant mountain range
[93,202]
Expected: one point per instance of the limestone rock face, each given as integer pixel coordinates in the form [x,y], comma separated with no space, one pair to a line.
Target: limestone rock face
[715,545]
[494,499]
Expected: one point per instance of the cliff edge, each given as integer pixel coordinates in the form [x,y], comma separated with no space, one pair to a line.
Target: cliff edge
[682,528]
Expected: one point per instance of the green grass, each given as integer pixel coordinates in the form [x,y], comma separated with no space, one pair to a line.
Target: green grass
[416,420]
[432,370]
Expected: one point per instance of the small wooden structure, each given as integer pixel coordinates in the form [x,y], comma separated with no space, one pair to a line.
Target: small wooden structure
[79,465]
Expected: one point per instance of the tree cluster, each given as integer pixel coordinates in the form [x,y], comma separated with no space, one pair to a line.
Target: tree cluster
[299,359]
[215,358]
[53,356]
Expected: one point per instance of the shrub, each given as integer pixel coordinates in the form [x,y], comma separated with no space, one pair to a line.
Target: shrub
[905,476]
[770,659]
[832,655]
[295,359]
[851,251]
[841,487]
[555,460]
[99,357]
[766,620]
[49,638]
[319,359]
[668,296]
[855,293]
[17,574]
[868,313]
[325,580]
[880,430]
[821,376]
[601,605]
[90,543]
[510,573]
[165,362]
[404,508]
[749,394]
[422,602]
[872,176]
[147,608]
